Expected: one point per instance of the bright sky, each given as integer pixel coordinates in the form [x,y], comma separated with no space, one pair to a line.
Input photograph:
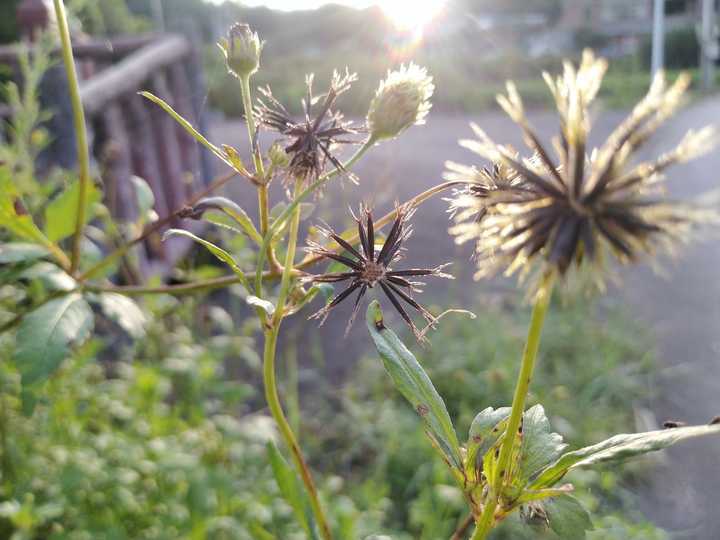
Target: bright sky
[410,15]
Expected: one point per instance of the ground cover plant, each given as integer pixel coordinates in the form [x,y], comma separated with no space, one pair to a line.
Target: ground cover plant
[559,216]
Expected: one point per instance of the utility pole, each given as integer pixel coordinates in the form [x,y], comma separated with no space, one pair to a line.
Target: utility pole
[708,44]
[658,36]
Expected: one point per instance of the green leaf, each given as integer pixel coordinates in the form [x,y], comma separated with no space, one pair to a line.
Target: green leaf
[233,210]
[220,253]
[144,197]
[567,517]
[16,252]
[187,126]
[290,490]
[540,446]
[414,384]
[618,448]
[21,225]
[125,312]
[267,306]
[45,336]
[52,277]
[60,213]
[485,430]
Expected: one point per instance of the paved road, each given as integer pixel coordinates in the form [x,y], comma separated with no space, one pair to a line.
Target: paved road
[683,307]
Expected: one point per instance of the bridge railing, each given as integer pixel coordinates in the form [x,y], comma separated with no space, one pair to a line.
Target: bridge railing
[131,136]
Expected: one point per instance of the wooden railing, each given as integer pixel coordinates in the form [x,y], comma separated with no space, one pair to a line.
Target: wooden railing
[130,135]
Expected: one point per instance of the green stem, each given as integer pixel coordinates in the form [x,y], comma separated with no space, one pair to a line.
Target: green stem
[262,188]
[312,188]
[83,152]
[542,301]
[271,393]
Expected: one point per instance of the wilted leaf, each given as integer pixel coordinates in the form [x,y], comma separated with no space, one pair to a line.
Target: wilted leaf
[567,517]
[618,448]
[45,336]
[414,384]
[60,214]
[290,490]
[125,312]
[16,252]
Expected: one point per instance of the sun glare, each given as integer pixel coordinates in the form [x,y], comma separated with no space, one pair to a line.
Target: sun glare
[412,15]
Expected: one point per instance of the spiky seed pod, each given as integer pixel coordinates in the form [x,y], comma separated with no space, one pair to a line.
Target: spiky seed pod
[401,100]
[580,208]
[242,48]
[369,267]
[313,138]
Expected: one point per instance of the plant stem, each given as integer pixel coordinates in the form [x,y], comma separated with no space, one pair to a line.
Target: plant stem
[271,393]
[312,188]
[540,307]
[83,152]
[262,188]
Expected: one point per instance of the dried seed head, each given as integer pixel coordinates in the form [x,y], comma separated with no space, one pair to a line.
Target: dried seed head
[401,100]
[242,48]
[572,208]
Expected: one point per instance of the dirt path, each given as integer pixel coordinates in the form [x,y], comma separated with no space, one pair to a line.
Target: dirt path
[683,307]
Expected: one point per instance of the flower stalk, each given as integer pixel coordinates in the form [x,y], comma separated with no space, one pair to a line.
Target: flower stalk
[527,367]
[83,152]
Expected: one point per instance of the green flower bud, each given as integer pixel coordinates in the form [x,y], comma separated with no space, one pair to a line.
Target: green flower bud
[242,48]
[401,100]
[277,155]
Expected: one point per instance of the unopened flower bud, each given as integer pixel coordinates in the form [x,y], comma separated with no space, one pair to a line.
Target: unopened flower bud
[401,100]
[242,48]
[277,155]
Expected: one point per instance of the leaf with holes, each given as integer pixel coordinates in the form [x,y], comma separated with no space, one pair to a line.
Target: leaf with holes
[618,448]
[46,335]
[414,384]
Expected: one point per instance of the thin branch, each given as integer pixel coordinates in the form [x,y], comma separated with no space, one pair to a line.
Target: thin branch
[462,529]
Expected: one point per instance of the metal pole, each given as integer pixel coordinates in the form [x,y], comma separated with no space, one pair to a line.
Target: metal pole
[709,45]
[658,36]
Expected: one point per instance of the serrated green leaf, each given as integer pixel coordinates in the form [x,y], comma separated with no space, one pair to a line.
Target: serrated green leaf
[46,335]
[16,252]
[220,253]
[414,384]
[290,490]
[125,312]
[618,448]
[485,430]
[52,277]
[567,517]
[540,445]
[61,211]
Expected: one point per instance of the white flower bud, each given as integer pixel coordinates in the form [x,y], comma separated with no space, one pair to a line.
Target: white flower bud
[401,100]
